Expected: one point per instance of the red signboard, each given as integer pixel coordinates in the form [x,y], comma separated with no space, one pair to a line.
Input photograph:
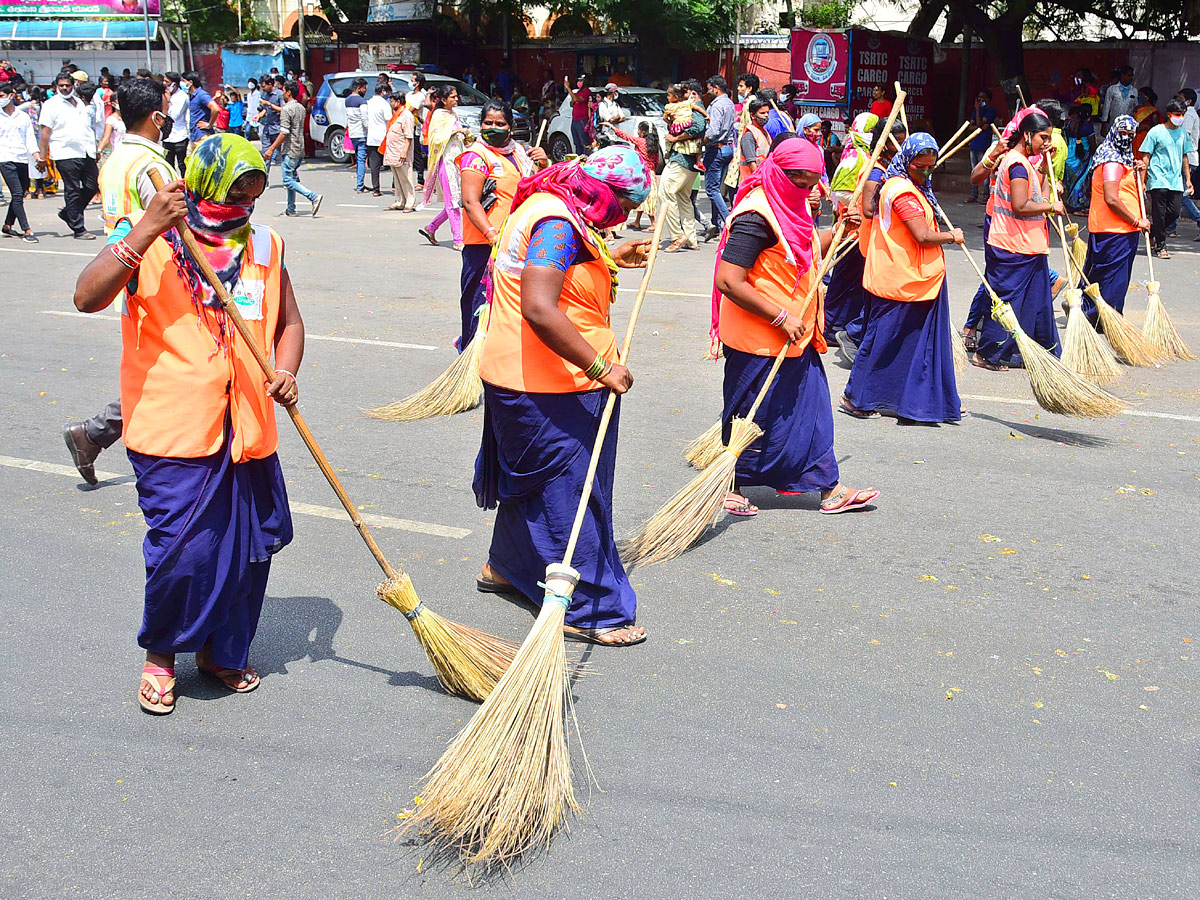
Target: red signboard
[820,65]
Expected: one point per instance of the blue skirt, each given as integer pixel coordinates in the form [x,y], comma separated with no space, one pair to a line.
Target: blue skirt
[844,298]
[474,266]
[532,463]
[212,527]
[856,328]
[795,453]
[1024,282]
[905,363]
[1109,263]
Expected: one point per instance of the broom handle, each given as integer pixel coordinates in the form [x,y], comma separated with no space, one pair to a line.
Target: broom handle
[825,263]
[541,133]
[971,260]
[1142,209]
[954,137]
[1062,236]
[970,137]
[606,416]
[235,316]
[903,114]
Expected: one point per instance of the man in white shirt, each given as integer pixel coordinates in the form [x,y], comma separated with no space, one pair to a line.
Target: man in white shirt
[356,129]
[175,143]
[610,111]
[379,111]
[18,148]
[68,137]
[1121,99]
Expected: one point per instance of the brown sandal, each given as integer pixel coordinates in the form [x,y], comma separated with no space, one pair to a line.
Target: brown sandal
[979,362]
[596,635]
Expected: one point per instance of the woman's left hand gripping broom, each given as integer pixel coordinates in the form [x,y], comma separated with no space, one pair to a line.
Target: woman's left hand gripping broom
[468,662]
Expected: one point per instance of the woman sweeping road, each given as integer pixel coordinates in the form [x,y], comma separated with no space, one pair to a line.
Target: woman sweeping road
[1115,220]
[1017,266]
[905,363]
[490,171]
[548,363]
[764,273]
[199,422]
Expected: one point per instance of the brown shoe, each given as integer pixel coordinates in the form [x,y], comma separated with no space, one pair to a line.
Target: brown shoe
[83,451]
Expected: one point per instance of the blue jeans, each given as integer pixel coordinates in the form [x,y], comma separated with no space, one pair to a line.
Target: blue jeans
[1189,208]
[976,158]
[716,165]
[360,161]
[579,135]
[265,140]
[293,185]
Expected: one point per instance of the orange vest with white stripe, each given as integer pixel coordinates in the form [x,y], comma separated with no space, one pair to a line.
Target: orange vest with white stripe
[1024,234]
[773,276]
[176,383]
[762,146]
[514,357]
[864,230]
[507,176]
[1103,219]
[897,266]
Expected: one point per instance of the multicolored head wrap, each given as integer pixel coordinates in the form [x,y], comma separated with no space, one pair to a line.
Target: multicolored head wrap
[856,154]
[622,170]
[593,188]
[914,146]
[1118,145]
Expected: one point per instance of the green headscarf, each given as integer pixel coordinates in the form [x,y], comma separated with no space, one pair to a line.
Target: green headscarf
[856,154]
[218,161]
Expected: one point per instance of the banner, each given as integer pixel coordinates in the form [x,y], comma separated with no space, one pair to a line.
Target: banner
[74,8]
[399,10]
[883,59]
[820,65]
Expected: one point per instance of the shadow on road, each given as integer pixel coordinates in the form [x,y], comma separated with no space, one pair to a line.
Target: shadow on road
[1058,435]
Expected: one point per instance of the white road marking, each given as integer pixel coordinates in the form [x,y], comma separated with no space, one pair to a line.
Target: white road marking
[311,337]
[49,252]
[306,509]
[1140,413]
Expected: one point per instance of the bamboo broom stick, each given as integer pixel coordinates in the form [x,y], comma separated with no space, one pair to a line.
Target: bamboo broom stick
[954,137]
[1055,387]
[903,113]
[1158,327]
[945,155]
[468,662]
[503,786]
[694,508]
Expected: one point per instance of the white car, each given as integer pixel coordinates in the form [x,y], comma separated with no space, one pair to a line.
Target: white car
[640,105]
[327,122]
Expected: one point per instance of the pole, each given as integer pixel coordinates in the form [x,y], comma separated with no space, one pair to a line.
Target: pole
[191,56]
[146,22]
[239,12]
[737,45]
[964,73]
[300,33]
[166,47]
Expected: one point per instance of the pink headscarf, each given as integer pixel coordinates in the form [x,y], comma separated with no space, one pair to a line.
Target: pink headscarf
[788,202]
[1011,128]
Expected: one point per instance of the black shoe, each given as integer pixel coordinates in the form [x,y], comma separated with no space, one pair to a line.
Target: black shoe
[30,239]
[290,212]
[711,232]
[84,236]
[83,451]
[9,231]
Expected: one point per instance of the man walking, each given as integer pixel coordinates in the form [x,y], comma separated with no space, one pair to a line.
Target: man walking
[125,188]
[1166,150]
[1121,99]
[175,143]
[270,103]
[718,151]
[291,138]
[69,139]
[356,129]
[379,112]
[202,110]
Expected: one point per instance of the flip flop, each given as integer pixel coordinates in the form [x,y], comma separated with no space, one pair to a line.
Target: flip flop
[593,635]
[222,674]
[428,236]
[981,363]
[739,506]
[488,586]
[850,500]
[162,680]
[850,409]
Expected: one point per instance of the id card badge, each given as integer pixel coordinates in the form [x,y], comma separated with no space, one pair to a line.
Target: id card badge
[248,295]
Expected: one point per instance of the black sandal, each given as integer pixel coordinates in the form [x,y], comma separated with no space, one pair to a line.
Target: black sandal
[594,635]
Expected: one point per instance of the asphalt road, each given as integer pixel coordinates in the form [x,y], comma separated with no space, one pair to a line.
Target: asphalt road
[983,688]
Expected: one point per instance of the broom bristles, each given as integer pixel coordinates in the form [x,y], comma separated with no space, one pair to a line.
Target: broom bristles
[1127,342]
[1160,330]
[503,785]
[468,662]
[1084,351]
[701,452]
[958,348]
[694,509]
[456,390]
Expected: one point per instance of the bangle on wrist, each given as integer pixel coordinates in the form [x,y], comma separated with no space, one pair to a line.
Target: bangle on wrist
[599,367]
[292,375]
[781,318]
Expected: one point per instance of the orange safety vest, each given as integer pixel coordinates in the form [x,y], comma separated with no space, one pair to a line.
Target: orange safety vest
[897,267]
[1103,219]
[864,230]
[773,275]
[1024,234]
[762,146]
[507,176]
[514,357]
[176,383]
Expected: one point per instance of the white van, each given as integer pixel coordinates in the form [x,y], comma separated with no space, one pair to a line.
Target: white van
[640,105]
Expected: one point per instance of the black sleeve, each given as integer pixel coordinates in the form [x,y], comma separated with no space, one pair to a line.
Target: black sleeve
[749,235]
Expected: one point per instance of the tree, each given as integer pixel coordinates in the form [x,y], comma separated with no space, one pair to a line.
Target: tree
[665,25]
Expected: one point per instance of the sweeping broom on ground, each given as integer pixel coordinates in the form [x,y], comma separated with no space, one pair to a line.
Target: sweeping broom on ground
[503,786]
[1078,245]
[695,508]
[1055,387]
[1083,350]
[468,662]
[457,389]
[1158,327]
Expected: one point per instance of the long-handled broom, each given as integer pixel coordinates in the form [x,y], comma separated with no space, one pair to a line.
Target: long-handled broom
[457,389]
[695,508]
[1083,350]
[503,786]
[468,662]
[1158,327]
[1055,387]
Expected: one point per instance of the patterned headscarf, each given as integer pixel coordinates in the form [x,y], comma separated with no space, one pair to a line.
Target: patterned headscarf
[222,229]
[1117,147]
[593,188]
[914,146]
[856,154]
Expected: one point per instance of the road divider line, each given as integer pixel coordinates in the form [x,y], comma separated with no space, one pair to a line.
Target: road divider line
[304,509]
[46,252]
[338,339]
[1024,401]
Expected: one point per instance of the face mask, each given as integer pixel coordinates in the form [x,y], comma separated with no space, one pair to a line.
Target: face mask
[1176,121]
[186,85]
[919,176]
[164,130]
[743,93]
[496,137]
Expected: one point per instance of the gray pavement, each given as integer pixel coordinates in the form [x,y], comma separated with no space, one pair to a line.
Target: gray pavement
[984,688]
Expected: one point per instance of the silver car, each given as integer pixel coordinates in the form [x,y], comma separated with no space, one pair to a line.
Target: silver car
[640,105]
